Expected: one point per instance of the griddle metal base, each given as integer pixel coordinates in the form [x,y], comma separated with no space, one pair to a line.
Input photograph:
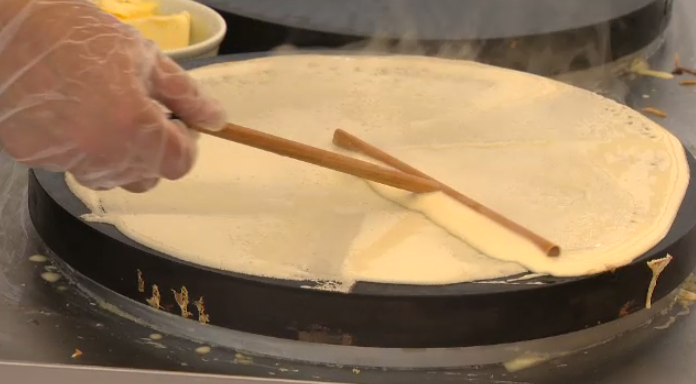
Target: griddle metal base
[40,323]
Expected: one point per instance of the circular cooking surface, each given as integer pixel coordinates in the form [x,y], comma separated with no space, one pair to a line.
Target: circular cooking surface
[372,314]
[434,19]
[527,35]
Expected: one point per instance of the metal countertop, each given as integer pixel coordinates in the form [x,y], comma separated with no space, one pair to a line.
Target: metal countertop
[43,323]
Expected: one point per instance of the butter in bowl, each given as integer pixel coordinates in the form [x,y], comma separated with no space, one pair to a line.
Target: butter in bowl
[182,29]
[171,31]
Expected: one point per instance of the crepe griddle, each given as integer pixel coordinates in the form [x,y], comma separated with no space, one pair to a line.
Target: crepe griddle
[545,37]
[437,20]
[372,314]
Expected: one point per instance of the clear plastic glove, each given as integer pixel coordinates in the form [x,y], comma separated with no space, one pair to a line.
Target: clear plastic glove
[79,92]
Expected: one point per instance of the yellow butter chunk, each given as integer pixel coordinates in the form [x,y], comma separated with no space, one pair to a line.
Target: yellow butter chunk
[128,9]
[168,32]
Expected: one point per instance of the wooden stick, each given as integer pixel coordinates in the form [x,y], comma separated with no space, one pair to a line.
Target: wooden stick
[655,112]
[679,70]
[347,141]
[323,158]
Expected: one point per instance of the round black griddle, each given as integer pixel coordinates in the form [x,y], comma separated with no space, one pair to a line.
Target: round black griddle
[374,315]
[434,20]
[546,37]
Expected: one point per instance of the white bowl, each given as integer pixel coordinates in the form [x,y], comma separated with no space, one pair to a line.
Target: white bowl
[208,29]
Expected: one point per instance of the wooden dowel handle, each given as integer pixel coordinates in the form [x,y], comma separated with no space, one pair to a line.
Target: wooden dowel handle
[347,141]
[323,158]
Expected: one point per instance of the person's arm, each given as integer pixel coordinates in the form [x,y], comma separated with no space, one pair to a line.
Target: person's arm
[81,92]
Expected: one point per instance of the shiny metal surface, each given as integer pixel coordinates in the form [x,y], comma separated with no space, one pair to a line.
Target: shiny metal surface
[454,19]
[43,323]
[21,373]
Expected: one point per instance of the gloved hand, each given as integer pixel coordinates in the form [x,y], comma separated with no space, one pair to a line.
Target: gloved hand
[79,92]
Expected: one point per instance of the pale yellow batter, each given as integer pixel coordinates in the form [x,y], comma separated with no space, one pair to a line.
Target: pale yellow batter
[597,178]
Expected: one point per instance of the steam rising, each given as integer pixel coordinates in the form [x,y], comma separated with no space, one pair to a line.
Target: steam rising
[577,55]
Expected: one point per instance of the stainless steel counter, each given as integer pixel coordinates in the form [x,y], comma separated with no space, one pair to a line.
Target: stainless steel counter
[44,322]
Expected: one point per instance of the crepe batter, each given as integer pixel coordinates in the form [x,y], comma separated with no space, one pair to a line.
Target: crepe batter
[596,177]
